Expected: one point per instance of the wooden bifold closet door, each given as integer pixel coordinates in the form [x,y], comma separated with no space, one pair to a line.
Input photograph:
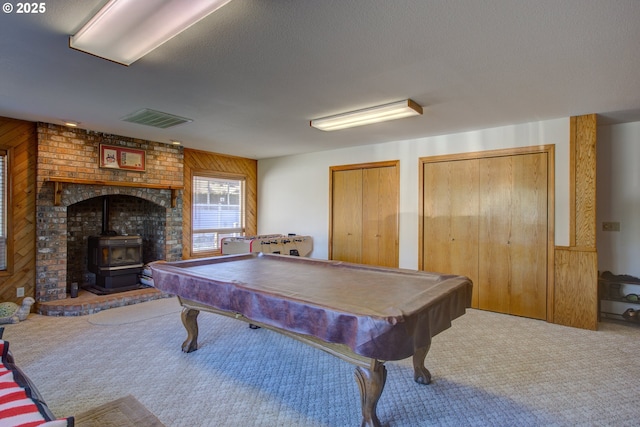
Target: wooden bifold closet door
[450,231]
[347,216]
[487,218]
[364,214]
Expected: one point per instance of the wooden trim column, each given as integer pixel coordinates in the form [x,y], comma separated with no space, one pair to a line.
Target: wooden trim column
[584,151]
[575,301]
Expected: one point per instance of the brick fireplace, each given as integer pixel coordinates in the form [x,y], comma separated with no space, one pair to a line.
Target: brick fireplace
[71,188]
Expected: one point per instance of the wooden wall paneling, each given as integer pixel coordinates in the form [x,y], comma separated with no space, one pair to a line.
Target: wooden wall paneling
[576,293]
[347,216]
[572,180]
[19,137]
[187,218]
[449,219]
[576,275]
[585,181]
[195,160]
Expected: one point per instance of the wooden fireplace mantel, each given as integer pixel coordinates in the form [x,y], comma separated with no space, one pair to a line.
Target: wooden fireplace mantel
[59,181]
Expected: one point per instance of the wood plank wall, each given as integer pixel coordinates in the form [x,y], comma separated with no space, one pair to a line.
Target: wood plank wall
[19,138]
[195,160]
[576,266]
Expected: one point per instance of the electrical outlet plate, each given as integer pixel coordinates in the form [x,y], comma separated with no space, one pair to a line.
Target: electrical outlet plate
[610,226]
[19,292]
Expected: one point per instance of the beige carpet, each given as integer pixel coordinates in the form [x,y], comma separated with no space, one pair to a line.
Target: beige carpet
[123,412]
[135,313]
[488,369]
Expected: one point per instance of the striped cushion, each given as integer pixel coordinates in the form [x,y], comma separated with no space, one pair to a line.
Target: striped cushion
[19,404]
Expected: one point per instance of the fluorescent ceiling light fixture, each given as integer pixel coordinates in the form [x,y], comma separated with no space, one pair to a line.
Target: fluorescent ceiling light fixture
[380,113]
[124,31]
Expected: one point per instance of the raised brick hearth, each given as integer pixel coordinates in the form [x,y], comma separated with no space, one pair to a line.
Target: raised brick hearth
[146,204]
[90,303]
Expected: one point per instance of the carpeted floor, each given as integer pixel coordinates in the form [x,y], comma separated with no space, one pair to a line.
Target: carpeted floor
[123,412]
[488,369]
[135,313]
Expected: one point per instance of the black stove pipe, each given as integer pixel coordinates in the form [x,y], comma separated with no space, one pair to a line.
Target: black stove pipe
[105,218]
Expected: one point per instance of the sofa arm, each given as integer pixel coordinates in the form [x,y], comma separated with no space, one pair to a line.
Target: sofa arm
[20,401]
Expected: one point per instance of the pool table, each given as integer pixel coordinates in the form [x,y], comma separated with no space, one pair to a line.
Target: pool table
[362,314]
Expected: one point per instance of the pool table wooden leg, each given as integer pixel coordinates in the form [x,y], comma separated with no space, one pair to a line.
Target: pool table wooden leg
[190,322]
[421,375]
[371,383]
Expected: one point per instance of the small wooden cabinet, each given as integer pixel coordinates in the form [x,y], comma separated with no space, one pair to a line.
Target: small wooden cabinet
[619,297]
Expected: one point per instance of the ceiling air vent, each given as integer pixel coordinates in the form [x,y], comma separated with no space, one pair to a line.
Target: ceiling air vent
[155,118]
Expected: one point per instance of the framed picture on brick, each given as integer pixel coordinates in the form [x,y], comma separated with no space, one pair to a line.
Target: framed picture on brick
[114,157]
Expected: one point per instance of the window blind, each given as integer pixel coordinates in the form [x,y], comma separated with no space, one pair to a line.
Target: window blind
[218,210]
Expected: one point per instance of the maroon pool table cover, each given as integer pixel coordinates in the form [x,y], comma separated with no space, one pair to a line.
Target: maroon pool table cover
[380,313]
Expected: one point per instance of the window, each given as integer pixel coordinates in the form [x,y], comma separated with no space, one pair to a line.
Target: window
[3,210]
[218,210]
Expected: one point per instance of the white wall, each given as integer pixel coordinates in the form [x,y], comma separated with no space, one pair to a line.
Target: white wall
[294,190]
[618,198]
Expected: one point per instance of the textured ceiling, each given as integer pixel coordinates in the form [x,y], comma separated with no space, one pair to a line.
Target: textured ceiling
[253,74]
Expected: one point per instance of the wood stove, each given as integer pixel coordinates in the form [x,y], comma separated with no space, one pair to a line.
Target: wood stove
[116,261]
